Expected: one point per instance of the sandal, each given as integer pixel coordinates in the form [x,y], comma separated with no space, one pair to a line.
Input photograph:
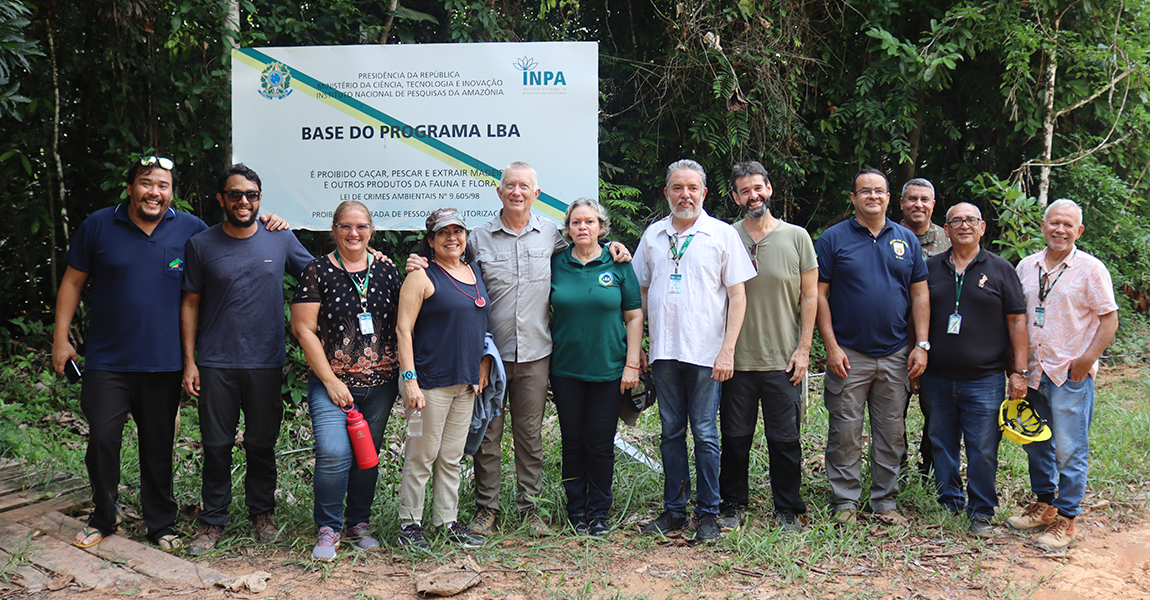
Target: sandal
[88,537]
[170,543]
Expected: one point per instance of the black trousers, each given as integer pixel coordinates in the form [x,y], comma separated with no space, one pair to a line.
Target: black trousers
[738,412]
[588,417]
[223,394]
[153,399]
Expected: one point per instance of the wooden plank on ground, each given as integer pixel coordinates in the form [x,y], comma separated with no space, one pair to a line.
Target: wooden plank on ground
[16,484]
[150,561]
[31,578]
[57,556]
[39,493]
[65,503]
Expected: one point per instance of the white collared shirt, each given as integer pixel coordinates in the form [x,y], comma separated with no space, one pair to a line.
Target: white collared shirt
[689,326]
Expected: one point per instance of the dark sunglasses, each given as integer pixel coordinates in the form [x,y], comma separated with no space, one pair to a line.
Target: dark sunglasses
[236,195]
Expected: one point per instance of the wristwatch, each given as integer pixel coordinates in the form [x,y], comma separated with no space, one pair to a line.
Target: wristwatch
[923,345]
[1025,373]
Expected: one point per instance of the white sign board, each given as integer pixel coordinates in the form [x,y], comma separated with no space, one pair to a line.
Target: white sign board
[406,129]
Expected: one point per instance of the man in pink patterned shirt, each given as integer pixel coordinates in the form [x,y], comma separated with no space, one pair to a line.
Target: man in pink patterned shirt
[1072,316]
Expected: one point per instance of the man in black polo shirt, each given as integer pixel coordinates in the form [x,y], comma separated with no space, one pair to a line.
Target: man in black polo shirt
[871,278]
[977,333]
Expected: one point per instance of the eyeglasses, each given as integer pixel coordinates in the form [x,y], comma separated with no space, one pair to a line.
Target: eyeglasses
[236,195]
[755,257]
[956,222]
[870,192]
[361,228]
[165,163]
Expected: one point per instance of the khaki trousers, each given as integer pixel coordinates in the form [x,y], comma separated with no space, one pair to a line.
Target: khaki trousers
[446,419]
[526,395]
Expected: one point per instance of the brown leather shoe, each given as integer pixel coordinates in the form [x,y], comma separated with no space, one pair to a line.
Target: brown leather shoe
[264,528]
[1059,535]
[483,523]
[205,540]
[1036,516]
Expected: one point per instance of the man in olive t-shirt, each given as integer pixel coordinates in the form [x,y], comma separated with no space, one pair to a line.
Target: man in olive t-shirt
[771,354]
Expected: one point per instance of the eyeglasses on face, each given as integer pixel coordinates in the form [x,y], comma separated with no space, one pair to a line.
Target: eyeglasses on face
[164,163]
[361,228]
[956,222]
[235,195]
[870,192]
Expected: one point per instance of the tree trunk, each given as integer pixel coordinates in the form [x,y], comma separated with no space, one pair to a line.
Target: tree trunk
[387,24]
[1048,118]
[52,275]
[231,40]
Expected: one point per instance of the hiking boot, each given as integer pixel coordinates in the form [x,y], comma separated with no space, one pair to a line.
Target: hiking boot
[483,523]
[460,536]
[411,536]
[360,535]
[205,540]
[325,544]
[537,526]
[1036,516]
[666,523]
[598,528]
[789,522]
[731,516]
[264,528]
[892,517]
[846,516]
[1059,535]
[708,529]
[982,527]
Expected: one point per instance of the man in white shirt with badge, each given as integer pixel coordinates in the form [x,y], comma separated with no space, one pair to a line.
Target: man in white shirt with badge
[691,268]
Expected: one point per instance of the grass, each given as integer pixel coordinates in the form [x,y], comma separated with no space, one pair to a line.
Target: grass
[824,559]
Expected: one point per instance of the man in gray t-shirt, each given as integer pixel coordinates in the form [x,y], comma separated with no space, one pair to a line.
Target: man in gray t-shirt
[235,271]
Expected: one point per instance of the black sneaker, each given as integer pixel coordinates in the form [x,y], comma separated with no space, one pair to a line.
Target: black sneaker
[460,536]
[411,536]
[789,522]
[598,528]
[982,527]
[580,526]
[708,530]
[731,516]
[666,523]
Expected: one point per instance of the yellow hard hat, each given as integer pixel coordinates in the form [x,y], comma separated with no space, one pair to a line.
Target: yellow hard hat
[1020,423]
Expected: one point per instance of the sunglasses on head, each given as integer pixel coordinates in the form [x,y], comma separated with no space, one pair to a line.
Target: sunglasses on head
[164,163]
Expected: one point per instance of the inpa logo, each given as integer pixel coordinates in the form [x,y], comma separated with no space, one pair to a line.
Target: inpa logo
[531,76]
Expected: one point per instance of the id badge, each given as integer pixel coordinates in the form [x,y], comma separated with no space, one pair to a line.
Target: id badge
[954,324]
[676,283]
[366,327]
[1039,316]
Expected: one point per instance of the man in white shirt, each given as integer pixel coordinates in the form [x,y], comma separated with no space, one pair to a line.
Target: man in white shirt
[691,268]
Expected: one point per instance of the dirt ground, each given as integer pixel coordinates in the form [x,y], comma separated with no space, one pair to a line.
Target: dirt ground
[1110,561]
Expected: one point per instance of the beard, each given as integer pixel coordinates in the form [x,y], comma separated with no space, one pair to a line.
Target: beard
[237,222]
[149,218]
[757,213]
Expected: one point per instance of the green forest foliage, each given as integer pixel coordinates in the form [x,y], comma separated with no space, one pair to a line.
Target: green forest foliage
[954,91]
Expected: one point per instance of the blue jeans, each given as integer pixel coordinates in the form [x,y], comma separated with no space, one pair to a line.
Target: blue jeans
[687,393]
[336,474]
[1059,465]
[965,410]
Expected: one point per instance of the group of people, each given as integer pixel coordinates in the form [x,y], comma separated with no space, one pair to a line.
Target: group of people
[485,323]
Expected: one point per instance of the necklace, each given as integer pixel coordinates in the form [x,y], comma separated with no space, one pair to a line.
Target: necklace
[479,301]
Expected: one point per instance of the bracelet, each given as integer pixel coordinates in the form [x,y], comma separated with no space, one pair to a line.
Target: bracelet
[631,367]
[408,375]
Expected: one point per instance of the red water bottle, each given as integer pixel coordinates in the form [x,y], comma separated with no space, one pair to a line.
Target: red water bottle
[361,444]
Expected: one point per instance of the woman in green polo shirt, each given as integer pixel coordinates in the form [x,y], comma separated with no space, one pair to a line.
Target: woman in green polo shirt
[596,328]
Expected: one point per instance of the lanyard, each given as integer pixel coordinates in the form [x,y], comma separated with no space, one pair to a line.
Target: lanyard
[1044,291]
[360,288]
[677,254]
[958,279]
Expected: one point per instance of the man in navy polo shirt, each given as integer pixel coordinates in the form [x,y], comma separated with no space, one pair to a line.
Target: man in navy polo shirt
[134,254]
[871,277]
